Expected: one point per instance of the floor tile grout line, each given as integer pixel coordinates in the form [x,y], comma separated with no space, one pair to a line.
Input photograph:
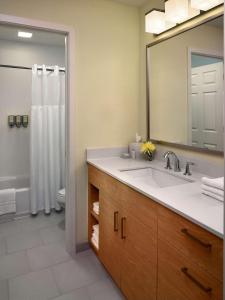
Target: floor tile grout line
[37,246]
[43,243]
[54,279]
[39,270]
[30,231]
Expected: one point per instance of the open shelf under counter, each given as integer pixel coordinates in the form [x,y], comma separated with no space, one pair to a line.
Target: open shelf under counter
[93,218]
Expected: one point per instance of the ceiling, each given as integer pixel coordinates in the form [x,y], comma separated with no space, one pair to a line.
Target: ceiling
[132,2]
[39,37]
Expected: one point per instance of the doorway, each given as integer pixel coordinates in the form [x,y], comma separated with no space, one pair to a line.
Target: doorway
[69,112]
[205,101]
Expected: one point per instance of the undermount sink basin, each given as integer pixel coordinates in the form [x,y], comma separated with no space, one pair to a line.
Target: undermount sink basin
[156,178]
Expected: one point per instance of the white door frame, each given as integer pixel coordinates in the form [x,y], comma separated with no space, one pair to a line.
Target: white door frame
[71,240]
[202,52]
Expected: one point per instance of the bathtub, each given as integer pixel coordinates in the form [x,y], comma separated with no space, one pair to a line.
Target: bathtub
[21,184]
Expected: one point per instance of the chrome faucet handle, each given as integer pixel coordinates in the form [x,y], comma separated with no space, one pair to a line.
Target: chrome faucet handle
[177,165]
[187,168]
[168,165]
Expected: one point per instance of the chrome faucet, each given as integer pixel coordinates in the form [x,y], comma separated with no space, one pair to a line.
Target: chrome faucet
[176,161]
[187,168]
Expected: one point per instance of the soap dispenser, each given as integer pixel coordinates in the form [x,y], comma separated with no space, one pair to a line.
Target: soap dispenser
[25,121]
[18,121]
[11,121]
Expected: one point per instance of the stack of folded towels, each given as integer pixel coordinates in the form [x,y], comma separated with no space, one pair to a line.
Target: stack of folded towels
[95,236]
[213,187]
[96,207]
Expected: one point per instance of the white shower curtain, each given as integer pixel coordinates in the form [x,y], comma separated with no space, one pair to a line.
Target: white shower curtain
[47,138]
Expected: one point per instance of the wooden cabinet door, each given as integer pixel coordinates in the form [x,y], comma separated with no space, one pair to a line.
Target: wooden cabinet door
[139,259]
[109,238]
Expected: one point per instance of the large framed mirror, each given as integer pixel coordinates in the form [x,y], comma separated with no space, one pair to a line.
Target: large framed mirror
[185,85]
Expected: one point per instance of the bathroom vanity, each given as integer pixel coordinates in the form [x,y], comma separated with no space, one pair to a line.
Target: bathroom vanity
[160,238]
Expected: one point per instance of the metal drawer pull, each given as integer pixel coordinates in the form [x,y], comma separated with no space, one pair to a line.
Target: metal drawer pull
[123,223]
[204,244]
[199,284]
[116,226]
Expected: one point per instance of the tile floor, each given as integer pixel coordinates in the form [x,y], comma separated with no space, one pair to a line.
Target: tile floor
[34,264]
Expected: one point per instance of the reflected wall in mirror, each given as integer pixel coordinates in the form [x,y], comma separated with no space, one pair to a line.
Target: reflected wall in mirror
[186,87]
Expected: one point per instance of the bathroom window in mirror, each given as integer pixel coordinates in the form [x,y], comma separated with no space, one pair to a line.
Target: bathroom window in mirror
[186,87]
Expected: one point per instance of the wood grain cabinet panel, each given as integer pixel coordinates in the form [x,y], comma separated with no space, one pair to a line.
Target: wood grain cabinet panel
[180,279]
[110,242]
[94,176]
[200,246]
[139,263]
[139,206]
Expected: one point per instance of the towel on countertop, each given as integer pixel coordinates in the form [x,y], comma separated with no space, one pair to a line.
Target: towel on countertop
[217,197]
[7,201]
[212,190]
[214,182]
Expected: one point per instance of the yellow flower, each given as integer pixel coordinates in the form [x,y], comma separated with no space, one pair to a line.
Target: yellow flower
[147,147]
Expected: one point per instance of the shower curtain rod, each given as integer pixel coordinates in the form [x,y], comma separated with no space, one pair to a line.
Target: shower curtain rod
[27,68]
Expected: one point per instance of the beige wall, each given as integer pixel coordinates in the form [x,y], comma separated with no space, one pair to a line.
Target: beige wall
[145,39]
[168,67]
[107,74]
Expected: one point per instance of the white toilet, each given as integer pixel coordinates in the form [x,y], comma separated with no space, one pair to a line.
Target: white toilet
[61,198]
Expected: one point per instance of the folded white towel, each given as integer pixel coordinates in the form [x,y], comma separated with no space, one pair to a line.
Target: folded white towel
[95,243]
[212,190]
[214,182]
[96,228]
[217,197]
[95,238]
[96,211]
[7,201]
[96,207]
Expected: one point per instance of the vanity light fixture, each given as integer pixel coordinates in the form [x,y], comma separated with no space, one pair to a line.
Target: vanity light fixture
[178,11]
[205,4]
[25,34]
[155,22]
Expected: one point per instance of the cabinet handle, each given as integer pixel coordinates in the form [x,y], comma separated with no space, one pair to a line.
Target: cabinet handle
[198,283]
[123,223]
[116,226]
[190,235]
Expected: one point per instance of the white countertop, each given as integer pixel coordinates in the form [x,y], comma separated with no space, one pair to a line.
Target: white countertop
[186,199]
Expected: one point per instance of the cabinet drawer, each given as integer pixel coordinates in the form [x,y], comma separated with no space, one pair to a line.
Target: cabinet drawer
[201,247]
[180,279]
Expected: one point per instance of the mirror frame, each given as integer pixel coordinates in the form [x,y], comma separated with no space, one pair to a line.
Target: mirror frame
[179,29]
